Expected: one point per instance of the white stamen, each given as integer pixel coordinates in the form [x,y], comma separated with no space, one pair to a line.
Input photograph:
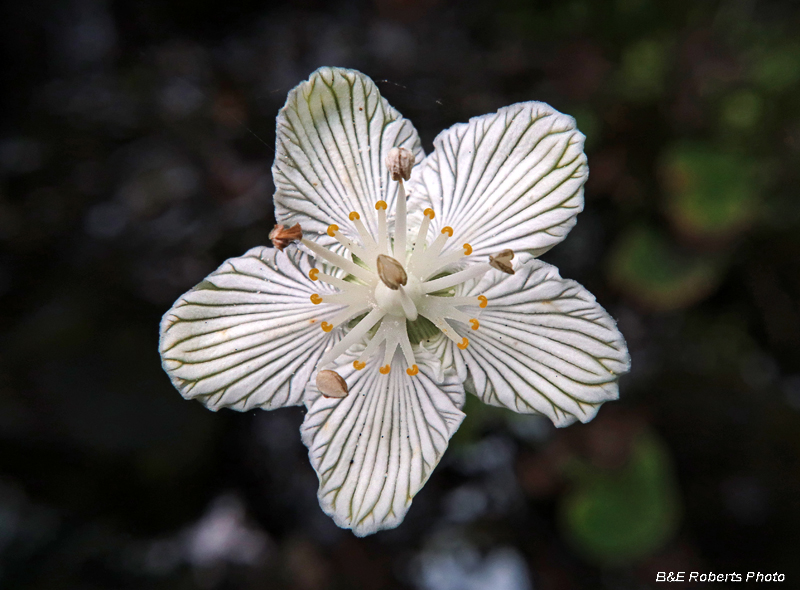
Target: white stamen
[350,245]
[391,345]
[433,250]
[395,289]
[376,341]
[419,243]
[383,233]
[357,333]
[405,346]
[346,314]
[452,280]
[442,307]
[363,233]
[443,262]
[338,298]
[446,329]
[343,263]
[400,224]
[342,284]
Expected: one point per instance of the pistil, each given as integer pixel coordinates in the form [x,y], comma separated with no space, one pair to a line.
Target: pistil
[391,272]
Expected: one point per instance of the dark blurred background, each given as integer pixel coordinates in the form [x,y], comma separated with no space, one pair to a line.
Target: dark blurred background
[136,139]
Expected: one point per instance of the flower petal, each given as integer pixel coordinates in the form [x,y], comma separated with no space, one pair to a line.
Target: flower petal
[512,179]
[333,136]
[374,449]
[248,336]
[544,346]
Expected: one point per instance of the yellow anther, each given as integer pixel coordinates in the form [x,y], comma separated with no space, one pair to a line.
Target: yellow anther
[384,370]
[313,274]
[463,344]
[474,323]
[412,370]
[467,249]
[380,205]
[358,365]
[354,216]
[429,213]
[326,327]
[332,229]
[316,299]
[447,230]
[483,301]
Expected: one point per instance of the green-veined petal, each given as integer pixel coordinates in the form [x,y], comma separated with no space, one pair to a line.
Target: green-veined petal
[333,136]
[248,336]
[544,346]
[374,449]
[512,179]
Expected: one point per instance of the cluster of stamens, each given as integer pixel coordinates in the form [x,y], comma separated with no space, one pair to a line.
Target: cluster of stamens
[391,282]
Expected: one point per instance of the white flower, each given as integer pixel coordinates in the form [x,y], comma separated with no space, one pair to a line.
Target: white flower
[403,292]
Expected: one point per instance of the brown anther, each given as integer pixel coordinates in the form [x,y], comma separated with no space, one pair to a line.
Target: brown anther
[502,261]
[400,161]
[281,236]
[331,384]
[391,272]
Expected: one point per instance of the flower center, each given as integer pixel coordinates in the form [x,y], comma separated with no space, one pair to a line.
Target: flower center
[395,281]
[400,302]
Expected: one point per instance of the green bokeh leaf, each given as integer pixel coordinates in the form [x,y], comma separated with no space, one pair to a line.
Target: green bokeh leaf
[711,195]
[644,69]
[615,517]
[742,110]
[649,269]
[777,68]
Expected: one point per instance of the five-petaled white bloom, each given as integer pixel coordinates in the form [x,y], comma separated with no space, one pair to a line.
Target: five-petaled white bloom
[388,301]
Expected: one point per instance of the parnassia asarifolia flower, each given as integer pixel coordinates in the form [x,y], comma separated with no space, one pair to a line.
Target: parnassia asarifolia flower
[382,302]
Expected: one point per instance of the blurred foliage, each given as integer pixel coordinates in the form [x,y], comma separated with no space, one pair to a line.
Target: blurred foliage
[775,67]
[741,110]
[711,195]
[618,516]
[656,274]
[644,68]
